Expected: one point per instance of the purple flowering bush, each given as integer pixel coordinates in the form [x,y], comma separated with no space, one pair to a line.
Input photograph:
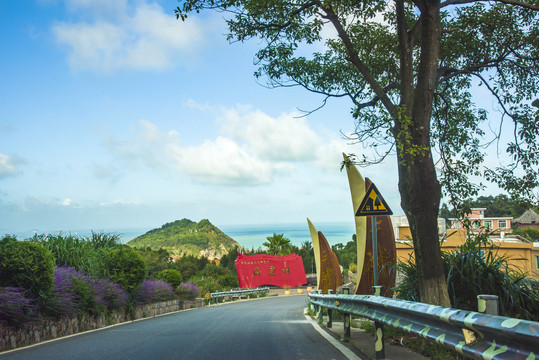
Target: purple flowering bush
[15,307]
[76,291]
[108,293]
[187,290]
[154,291]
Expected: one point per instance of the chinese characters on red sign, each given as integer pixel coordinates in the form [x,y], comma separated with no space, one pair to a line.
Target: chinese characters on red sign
[258,270]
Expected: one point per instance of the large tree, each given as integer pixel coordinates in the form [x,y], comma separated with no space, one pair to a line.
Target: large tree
[409,69]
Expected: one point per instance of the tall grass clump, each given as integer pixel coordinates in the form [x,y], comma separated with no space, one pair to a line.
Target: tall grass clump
[85,254]
[476,268]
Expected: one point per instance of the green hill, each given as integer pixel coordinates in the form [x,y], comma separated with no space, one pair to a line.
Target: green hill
[186,237]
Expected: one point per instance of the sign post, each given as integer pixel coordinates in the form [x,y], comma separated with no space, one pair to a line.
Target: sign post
[374,204]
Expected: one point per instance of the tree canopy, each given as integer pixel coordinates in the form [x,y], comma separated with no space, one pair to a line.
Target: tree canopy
[277,244]
[409,69]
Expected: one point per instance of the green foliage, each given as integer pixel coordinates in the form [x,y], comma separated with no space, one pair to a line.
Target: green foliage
[346,254]
[529,234]
[156,261]
[207,284]
[27,265]
[189,265]
[102,240]
[445,213]
[277,245]
[475,268]
[306,252]
[85,254]
[172,276]
[408,287]
[186,237]
[227,261]
[498,206]
[126,267]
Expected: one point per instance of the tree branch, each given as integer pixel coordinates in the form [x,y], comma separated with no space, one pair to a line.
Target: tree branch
[354,58]
[508,2]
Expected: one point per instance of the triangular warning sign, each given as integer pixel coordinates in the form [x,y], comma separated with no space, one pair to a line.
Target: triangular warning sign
[373,204]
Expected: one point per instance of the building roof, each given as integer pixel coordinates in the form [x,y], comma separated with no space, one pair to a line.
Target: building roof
[529,217]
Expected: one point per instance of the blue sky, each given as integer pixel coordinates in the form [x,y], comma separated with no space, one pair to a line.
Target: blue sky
[116,115]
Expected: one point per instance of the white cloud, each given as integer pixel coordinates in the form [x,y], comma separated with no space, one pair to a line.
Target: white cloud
[67,202]
[116,38]
[252,148]
[145,145]
[8,166]
[285,138]
[222,161]
[129,202]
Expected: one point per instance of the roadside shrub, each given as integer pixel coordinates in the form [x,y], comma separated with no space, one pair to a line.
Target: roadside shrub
[108,294]
[206,284]
[229,280]
[16,308]
[187,291]
[64,300]
[475,268]
[151,291]
[172,276]
[27,265]
[75,291]
[126,267]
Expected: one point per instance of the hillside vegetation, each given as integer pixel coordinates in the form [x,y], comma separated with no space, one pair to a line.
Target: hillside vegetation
[186,237]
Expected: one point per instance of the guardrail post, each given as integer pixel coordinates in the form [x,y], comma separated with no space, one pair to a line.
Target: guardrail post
[487,304]
[379,346]
[346,317]
[330,313]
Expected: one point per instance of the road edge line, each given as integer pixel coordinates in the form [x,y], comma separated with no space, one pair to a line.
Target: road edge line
[350,355]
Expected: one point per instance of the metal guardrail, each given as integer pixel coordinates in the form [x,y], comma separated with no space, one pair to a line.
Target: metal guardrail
[235,293]
[472,334]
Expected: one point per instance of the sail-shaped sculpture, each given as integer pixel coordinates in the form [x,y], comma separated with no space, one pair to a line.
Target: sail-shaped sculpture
[330,271]
[357,190]
[316,250]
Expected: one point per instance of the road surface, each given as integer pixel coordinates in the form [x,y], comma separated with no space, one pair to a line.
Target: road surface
[270,328]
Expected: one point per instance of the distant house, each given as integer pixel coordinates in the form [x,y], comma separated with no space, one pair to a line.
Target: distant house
[479,221]
[528,220]
[522,254]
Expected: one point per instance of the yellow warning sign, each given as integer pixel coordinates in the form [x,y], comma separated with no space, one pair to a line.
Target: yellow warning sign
[373,204]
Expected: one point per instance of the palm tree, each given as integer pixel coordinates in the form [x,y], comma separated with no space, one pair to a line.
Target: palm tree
[277,244]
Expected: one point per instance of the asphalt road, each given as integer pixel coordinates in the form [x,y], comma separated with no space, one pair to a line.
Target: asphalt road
[271,328]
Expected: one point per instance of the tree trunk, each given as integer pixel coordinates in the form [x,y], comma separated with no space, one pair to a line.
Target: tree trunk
[418,184]
[420,198]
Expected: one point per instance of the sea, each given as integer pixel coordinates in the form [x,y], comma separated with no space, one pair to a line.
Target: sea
[248,236]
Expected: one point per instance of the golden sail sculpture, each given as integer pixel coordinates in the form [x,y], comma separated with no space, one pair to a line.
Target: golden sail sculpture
[316,250]
[330,271]
[357,190]
[386,239]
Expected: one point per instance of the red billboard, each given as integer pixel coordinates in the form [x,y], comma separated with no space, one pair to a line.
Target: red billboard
[258,270]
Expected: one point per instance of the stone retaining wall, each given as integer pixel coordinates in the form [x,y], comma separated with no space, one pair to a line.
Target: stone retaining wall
[48,329]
